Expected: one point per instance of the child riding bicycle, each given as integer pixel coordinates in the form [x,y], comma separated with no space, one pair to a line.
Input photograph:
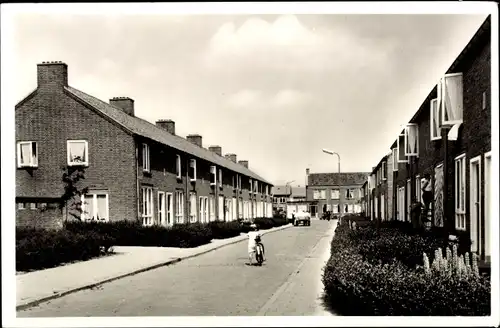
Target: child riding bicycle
[254,238]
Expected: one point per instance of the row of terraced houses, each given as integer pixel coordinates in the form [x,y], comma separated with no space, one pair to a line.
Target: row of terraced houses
[449,138]
[134,170]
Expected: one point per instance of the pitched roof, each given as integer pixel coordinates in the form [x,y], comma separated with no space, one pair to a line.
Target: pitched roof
[281,190]
[146,129]
[298,192]
[337,179]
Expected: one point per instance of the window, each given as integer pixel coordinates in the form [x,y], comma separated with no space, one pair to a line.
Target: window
[349,194]
[394,159]
[20,206]
[221,208]
[179,206]
[239,182]
[77,152]
[203,208]
[147,206]
[192,208]
[460,192]
[335,194]
[411,139]
[232,182]
[450,98]
[212,208]
[319,194]
[401,149]
[95,207]
[213,175]
[145,158]
[251,186]
[240,208]
[234,216]
[27,154]
[178,166]
[255,187]
[220,178]
[33,206]
[227,209]
[335,208]
[435,123]
[192,170]
[350,208]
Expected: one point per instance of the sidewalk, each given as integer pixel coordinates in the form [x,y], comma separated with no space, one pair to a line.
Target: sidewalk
[40,286]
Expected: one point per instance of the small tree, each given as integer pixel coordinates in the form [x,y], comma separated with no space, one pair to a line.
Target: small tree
[71,176]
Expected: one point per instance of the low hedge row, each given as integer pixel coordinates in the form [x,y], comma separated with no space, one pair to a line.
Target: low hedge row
[361,279]
[39,248]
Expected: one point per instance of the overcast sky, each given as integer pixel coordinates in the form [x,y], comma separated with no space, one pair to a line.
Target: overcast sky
[273,89]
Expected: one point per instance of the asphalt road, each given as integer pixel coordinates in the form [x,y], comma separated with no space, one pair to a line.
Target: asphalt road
[217,283]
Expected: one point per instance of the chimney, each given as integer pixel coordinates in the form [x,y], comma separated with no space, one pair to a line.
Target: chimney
[231,157]
[167,125]
[195,139]
[52,73]
[216,149]
[125,103]
[244,163]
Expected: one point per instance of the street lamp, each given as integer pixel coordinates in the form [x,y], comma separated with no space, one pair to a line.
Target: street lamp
[329,152]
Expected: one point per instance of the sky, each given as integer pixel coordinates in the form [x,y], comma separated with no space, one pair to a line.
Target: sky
[273,89]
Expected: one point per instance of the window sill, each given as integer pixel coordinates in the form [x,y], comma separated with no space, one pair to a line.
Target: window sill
[78,164]
[27,167]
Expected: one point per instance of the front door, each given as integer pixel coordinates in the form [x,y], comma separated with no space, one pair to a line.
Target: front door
[161,208]
[475,204]
[313,210]
[170,210]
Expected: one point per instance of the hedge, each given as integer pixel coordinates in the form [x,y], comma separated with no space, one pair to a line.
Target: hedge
[361,279]
[39,249]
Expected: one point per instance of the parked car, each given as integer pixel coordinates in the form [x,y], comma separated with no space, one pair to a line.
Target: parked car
[302,217]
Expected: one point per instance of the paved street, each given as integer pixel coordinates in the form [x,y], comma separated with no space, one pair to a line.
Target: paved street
[217,283]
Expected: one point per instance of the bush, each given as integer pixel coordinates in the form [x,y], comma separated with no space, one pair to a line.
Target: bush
[371,272]
[40,248]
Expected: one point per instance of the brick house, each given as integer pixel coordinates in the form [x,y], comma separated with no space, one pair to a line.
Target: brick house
[280,195]
[380,192]
[134,170]
[449,138]
[336,192]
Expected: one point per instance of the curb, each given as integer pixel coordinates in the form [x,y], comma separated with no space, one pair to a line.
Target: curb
[148,268]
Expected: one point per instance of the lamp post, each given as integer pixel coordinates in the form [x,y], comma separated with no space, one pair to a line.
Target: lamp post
[329,152]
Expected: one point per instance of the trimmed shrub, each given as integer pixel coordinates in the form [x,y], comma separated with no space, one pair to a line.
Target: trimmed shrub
[368,274]
[40,248]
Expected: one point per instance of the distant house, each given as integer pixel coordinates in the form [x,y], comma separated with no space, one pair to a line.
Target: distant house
[339,193]
[134,170]
[280,196]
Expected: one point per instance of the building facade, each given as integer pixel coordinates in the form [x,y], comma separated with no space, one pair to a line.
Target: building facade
[133,170]
[338,193]
[449,138]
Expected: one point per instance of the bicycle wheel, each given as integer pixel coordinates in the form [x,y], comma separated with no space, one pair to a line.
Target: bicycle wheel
[258,255]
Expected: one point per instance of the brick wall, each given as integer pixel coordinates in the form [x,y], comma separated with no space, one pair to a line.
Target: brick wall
[50,117]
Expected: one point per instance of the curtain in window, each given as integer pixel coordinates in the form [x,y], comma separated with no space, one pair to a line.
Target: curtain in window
[89,207]
[25,153]
[102,208]
[453,97]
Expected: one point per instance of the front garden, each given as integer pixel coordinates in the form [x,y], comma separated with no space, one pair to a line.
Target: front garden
[79,241]
[390,270]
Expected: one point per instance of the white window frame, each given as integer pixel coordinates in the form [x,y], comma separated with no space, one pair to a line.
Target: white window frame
[147,197]
[394,159]
[418,188]
[333,192]
[442,96]
[161,213]
[475,231]
[411,127]
[68,146]
[321,192]
[398,147]
[220,177]
[193,214]
[460,193]
[213,175]
[178,166]
[33,162]
[384,170]
[240,208]
[435,115]
[169,209]
[212,208]
[146,160]
[192,165]
[251,186]
[179,206]
[408,200]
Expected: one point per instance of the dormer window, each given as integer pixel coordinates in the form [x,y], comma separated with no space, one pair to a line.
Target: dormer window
[178,169]
[401,149]
[451,98]
[435,123]
[411,140]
